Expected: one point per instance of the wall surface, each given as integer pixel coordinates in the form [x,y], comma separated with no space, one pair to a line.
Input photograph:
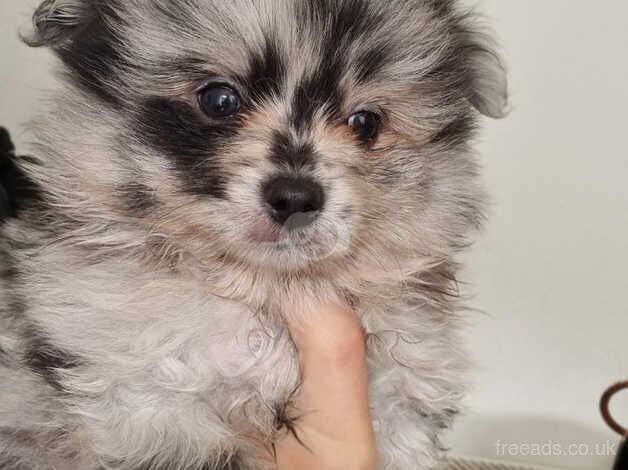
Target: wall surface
[549,272]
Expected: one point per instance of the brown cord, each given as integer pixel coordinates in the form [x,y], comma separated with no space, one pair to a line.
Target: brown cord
[605,407]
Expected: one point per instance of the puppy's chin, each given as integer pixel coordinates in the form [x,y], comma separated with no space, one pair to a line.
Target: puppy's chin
[298,244]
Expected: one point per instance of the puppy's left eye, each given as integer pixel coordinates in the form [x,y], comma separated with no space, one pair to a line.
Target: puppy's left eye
[219,101]
[365,124]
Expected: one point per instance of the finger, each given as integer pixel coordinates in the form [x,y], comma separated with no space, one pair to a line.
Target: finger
[333,400]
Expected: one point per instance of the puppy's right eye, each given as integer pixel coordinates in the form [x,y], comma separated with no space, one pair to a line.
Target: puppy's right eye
[219,101]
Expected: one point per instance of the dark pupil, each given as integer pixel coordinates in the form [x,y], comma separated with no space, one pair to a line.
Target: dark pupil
[220,101]
[365,124]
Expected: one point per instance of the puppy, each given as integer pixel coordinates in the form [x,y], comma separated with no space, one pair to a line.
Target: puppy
[208,168]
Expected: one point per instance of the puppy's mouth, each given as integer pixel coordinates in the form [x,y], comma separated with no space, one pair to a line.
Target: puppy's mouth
[299,227]
[303,236]
[263,232]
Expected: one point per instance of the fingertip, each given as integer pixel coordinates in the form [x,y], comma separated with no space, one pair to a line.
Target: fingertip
[331,329]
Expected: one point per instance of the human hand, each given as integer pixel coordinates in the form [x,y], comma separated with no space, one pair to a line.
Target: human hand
[334,428]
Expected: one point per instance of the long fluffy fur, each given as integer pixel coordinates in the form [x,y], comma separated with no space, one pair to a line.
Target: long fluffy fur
[140,327]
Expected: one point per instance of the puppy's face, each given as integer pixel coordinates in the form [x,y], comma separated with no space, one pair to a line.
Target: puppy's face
[283,133]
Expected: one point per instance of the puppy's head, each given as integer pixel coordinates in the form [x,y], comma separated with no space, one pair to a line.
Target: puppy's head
[278,133]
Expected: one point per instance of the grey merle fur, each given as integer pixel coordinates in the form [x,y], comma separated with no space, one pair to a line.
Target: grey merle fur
[144,293]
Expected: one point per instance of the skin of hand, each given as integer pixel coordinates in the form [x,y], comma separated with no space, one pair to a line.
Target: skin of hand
[334,425]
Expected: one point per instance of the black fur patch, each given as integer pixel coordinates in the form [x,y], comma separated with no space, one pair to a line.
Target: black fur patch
[342,23]
[234,464]
[15,306]
[456,132]
[93,54]
[350,21]
[284,152]
[285,420]
[6,145]
[138,198]
[441,7]
[319,91]
[371,62]
[190,141]
[16,189]
[267,72]
[45,359]
[8,270]
[5,359]
[178,68]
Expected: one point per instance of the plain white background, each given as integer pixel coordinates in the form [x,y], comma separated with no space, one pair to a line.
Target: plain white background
[549,273]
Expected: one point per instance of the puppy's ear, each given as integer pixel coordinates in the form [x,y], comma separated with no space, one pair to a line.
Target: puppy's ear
[80,32]
[56,22]
[487,76]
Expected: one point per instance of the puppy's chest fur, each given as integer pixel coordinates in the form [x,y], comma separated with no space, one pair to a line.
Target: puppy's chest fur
[152,366]
[163,337]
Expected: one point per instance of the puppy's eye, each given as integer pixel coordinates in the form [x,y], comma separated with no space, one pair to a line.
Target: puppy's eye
[219,101]
[365,124]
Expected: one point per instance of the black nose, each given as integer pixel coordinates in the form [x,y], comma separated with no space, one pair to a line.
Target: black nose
[294,201]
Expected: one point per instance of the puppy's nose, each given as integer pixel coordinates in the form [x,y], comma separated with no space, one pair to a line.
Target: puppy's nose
[293,201]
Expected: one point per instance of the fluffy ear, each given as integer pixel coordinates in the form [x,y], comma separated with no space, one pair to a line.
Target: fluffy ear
[79,32]
[57,21]
[489,83]
[487,76]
